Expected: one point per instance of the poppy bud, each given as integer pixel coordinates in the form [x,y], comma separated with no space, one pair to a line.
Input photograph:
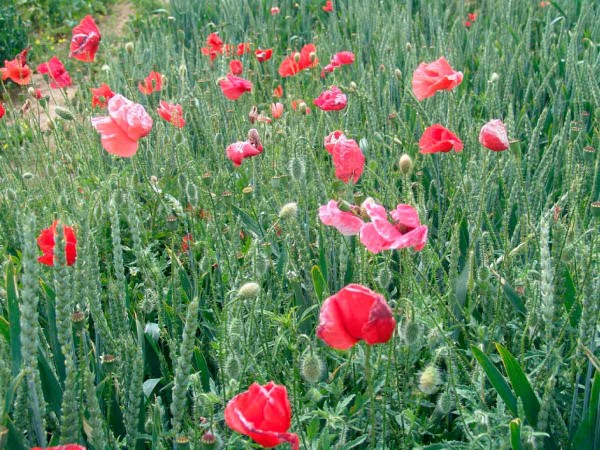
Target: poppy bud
[311,367]
[344,206]
[494,78]
[180,35]
[412,332]
[253,114]
[78,320]
[254,138]
[249,290]
[297,168]
[182,71]
[64,113]
[31,91]
[429,380]
[398,74]
[288,211]
[209,440]
[171,222]
[405,164]
[27,176]
[50,124]
[129,47]
[589,153]
[408,46]
[445,403]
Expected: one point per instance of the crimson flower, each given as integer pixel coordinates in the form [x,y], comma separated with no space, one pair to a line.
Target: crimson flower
[264,414]
[339,59]
[101,95]
[152,83]
[433,77]
[276,110]
[328,6]
[58,75]
[214,48]
[348,160]
[346,222]
[380,234]
[331,100]
[333,138]
[127,122]
[2,111]
[17,69]
[493,136]
[236,67]
[233,87]
[263,55]
[437,138]
[46,243]
[172,113]
[242,48]
[354,313]
[85,40]
[297,61]
[237,151]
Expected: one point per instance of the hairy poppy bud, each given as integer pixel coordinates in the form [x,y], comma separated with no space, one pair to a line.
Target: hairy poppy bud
[408,46]
[405,164]
[311,367]
[180,35]
[445,403]
[64,113]
[398,74]
[429,380]
[494,78]
[249,290]
[297,168]
[411,332]
[288,211]
[129,47]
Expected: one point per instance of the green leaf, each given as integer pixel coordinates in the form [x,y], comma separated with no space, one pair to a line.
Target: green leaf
[496,379]
[569,300]
[149,386]
[319,283]
[202,367]
[10,393]
[515,434]
[51,388]
[512,295]
[586,432]
[521,385]
[14,316]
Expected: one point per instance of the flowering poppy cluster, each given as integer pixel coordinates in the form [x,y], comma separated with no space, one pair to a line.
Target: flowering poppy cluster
[298,61]
[472,17]
[371,222]
[216,47]
[339,59]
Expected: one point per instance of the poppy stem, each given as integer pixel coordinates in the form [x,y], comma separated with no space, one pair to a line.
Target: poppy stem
[369,377]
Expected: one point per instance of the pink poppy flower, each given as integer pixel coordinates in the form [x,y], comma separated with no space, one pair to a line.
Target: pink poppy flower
[276,110]
[333,138]
[263,55]
[85,40]
[339,59]
[354,313]
[380,234]
[331,100]
[152,83]
[126,123]
[346,222]
[493,136]
[274,10]
[348,160]
[58,75]
[233,87]
[172,113]
[437,138]
[433,77]
[237,151]
[235,67]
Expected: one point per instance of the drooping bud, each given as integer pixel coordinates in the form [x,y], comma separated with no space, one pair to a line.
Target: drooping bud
[405,164]
[311,367]
[64,113]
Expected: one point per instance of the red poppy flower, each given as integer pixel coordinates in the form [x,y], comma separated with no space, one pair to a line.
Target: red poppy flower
[331,100]
[433,77]
[127,122]
[276,110]
[380,234]
[242,48]
[354,313]
[339,59]
[264,414]
[297,61]
[467,23]
[85,40]
[37,94]
[333,138]
[62,447]
[101,95]
[172,113]
[46,243]
[346,222]
[152,83]
[437,138]
[493,136]
[274,10]
[278,92]
[263,55]
[237,151]
[186,241]
[17,69]
[215,46]
[472,17]
[2,111]
[328,6]
[58,75]
[233,87]
[348,160]
[236,67]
